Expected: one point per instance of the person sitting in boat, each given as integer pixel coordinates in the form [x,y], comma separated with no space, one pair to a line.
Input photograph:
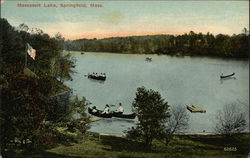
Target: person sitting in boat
[120,109]
[94,110]
[106,109]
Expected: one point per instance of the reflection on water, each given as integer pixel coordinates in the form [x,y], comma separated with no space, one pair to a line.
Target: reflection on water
[97,81]
[226,79]
[180,81]
[112,125]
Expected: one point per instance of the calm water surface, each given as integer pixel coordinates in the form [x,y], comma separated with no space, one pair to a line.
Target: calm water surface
[180,80]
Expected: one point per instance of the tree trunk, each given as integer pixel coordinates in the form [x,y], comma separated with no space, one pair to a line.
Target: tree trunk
[148,142]
[168,139]
[22,143]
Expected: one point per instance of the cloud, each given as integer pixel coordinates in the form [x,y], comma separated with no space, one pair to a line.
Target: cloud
[115,23]
[143,26]
[115,17]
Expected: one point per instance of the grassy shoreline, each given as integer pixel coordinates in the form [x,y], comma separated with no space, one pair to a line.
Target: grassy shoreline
[176,134]
[182,146]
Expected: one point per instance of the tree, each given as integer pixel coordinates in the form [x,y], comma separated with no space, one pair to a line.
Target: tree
[76,118]
[245,31]
[22,27]
[231,119]
[24,104]
[26,92]
[62,68]
[49,51]
[177,122]
[11,46]
[152,113]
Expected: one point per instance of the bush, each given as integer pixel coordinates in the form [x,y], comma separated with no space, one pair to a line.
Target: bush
[177,122]
[74,117]
[231,119]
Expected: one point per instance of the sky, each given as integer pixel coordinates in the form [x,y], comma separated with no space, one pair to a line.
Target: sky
[128,18]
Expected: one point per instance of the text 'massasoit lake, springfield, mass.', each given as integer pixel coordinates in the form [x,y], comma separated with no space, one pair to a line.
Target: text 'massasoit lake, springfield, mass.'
[62,5]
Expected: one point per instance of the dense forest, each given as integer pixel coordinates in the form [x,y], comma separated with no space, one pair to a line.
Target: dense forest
[29,115]
[193,44]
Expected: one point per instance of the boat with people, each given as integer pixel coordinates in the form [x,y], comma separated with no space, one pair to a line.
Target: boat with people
[226,76]
[99,113]
[96,76]
[148,59]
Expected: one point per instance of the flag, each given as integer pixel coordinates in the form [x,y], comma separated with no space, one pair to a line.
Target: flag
[31,51]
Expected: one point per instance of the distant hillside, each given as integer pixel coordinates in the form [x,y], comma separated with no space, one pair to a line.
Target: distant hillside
[131,44]
[186,44]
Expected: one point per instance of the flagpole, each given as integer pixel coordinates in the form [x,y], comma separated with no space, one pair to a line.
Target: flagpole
[26,56]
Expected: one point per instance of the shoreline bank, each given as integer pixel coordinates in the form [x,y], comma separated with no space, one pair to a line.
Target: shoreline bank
[123,135]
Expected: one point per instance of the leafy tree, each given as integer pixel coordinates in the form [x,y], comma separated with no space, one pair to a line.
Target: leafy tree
[26,92]
[24,101]
[152,113]
[11,44]
[64,67]
[49,51]
[76,118]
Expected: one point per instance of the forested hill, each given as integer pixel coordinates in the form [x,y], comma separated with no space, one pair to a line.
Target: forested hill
[194,44]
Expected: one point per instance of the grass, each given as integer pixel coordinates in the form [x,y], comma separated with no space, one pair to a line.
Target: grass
[116,147]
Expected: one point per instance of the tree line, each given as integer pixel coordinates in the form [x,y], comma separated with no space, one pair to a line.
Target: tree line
[192,44]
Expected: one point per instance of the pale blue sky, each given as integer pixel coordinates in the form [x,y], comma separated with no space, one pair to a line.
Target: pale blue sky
[122,18]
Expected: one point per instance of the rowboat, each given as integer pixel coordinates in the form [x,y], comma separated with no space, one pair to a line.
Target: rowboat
[225,76]
[148,59]
[97,77]
[99,113]
[126,116]
[111,114]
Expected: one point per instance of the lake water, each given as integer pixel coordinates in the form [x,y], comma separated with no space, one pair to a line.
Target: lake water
[180,81]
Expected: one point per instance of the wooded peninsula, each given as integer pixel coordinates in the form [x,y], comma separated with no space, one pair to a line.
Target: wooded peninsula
[191,44]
